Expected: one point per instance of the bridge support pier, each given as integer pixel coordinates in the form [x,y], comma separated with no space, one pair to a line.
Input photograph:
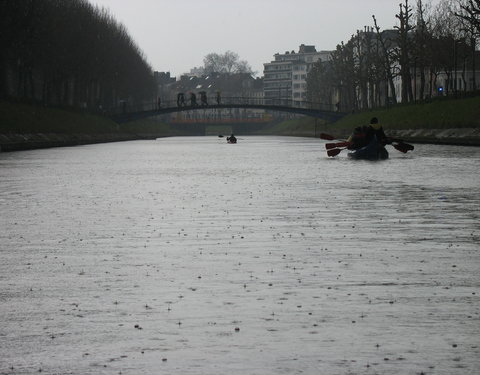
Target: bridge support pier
[247,128]
[192,129]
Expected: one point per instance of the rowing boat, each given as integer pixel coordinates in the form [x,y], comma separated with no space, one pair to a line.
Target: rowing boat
[373,151]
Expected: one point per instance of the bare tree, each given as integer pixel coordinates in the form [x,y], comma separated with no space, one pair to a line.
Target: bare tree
[321,83]
[453,42]
[404,49]
[433,41]
[470,13]
[343,63]
[362,42]
[421,52]
[69,53]
[229,63]
[387,59]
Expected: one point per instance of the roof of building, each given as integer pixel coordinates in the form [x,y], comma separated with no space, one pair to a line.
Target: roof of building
[306,49]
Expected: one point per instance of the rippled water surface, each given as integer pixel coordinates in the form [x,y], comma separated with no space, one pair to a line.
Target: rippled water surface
[192,256]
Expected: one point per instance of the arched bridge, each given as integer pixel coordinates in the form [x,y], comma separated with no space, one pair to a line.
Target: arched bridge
[126,113]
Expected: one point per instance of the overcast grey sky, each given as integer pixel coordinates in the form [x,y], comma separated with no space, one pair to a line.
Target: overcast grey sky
[175,35]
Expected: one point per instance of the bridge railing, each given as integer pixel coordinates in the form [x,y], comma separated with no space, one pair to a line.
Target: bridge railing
[124,107]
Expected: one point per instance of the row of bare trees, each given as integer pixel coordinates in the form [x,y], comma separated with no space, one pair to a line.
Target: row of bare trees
[369,69]
[69,53]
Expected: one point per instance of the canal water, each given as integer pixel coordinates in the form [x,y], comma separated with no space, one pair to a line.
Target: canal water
[193,256]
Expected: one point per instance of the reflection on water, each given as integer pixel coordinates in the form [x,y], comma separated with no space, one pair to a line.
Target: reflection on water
[192,256]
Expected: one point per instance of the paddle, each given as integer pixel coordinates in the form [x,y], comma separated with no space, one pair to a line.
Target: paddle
[332,149]
[334,152]
[400,146]
[403,147]
[329,146]
[327,137]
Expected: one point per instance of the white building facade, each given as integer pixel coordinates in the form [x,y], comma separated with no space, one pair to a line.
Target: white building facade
[285,78]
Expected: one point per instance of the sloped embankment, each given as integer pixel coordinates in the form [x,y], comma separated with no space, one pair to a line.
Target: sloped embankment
[25,127]
[442,121]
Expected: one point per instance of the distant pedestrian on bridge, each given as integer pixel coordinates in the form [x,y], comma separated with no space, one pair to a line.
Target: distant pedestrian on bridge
[218,98]
[159,103]
[180,99]
[193,99]
[203,98]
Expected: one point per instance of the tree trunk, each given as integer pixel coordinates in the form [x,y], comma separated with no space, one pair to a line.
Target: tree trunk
[473,64]
[388,65]
[31,84]
[422,83]
[3,79]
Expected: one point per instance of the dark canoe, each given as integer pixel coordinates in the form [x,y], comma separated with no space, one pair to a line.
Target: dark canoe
[373,151]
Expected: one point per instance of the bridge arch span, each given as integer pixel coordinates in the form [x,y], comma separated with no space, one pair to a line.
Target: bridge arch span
[315,110]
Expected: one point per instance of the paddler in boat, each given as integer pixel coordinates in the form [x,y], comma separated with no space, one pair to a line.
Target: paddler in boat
[232,139]
[358,138]
[378,131]
[363,135]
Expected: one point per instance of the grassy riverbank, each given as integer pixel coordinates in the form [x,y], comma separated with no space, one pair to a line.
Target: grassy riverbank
[24,126]
[19,118]
[26,119]
[438,115]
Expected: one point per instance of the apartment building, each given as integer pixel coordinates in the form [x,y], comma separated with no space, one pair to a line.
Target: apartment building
[285,78]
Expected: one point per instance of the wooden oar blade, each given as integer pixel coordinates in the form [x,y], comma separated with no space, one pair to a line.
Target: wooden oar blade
[402,144]
[399,148]
[407,146]
[327,137]
[334,152]
[329,146]
[403,147]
